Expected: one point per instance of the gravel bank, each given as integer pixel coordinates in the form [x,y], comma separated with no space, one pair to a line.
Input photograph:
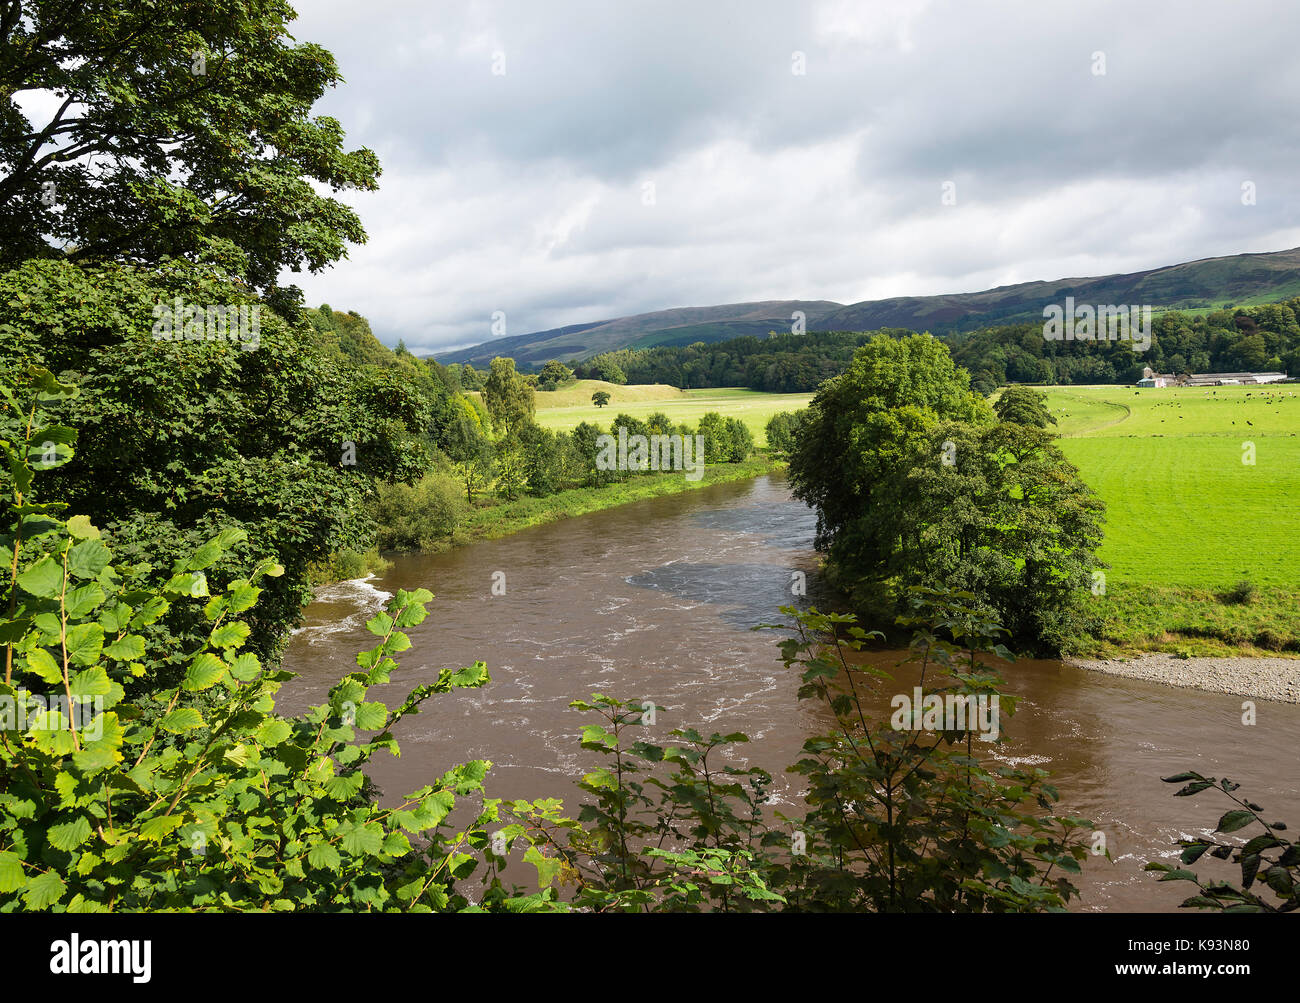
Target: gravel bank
[1262,678]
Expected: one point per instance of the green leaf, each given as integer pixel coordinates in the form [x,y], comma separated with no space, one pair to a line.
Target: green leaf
[79,526]
[367,840]
[126,649]
[87,559]
[70,835]
[325,856]
[204,672]
[40,661]
[1234,820]
[92,682]
[44,890]
[371,716]
[85,643]
[229,635]
[245,667]
[272,732]
[181,719]
[44,579]
[81,601]
[11,872]
[156,829]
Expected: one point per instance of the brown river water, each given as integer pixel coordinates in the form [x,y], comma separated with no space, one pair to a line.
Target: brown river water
[655,600]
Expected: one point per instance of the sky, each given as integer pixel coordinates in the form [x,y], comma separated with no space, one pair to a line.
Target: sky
[565,161]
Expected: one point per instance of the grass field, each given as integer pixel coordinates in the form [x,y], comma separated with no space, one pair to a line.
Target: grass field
[1186,518]
[565,408]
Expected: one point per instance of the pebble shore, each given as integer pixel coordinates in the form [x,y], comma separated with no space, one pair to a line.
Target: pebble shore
[1262,678]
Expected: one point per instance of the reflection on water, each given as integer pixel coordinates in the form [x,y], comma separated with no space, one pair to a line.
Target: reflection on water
[655,600]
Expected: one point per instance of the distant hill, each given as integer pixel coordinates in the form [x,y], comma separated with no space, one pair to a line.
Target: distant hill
[679,326]
[1240,279]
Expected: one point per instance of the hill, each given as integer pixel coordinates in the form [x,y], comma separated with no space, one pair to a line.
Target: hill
[679,326]
[1240,279]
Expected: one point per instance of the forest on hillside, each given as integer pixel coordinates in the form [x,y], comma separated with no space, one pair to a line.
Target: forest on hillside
[1231,339]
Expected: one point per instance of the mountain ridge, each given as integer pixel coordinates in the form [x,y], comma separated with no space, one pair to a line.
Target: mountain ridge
[1241,279]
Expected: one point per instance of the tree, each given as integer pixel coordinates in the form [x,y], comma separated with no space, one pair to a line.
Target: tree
[857,431]
[510,402]
[553,374]
[999,512]
[183,438]
[600,398]
[181,130]
[469,446]
[718,441]
[1023,406]
[782,431]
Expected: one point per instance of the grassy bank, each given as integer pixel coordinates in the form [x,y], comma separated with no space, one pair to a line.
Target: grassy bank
[496,518]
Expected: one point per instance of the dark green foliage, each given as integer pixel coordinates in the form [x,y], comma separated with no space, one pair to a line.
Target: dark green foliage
[553,375]
[600,398]
[915,484]
[182,439]
[782,430]
[185,130]
[1023,406]
[1269,861]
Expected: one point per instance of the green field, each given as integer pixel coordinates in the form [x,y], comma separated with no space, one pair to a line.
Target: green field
[1186,518]
[561,409]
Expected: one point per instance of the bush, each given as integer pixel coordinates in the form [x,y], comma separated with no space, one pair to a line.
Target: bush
[1241,594]
[420,516]
[207,799]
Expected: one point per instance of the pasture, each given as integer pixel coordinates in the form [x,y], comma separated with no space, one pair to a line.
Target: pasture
[567,407]
[1186,518]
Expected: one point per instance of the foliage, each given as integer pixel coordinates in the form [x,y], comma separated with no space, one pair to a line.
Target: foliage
[211,801]
[600,398]
[553,374]
[998,511]
[510,404]
[1023,406]
[184,438]
[184,129]
[419,516]
[782,430]
[911,820]
[1267,857]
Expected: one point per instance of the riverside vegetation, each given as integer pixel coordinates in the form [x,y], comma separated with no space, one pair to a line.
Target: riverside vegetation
[192,793]
[168,501]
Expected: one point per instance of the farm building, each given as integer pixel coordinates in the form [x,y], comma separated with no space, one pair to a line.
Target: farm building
[1153,379]
[1231,379]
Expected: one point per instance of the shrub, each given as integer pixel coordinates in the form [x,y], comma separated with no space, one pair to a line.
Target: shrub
[419,516]
[1241,594]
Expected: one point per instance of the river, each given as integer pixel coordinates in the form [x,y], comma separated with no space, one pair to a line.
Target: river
[655,600]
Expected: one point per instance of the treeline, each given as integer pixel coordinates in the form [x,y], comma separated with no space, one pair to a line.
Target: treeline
[1243,339]
[495,444]
[1231,339]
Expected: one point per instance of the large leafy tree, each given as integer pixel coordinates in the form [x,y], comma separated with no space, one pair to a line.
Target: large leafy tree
[511,405]
[857,429]
[176,128]
[1023,405]
[183,439]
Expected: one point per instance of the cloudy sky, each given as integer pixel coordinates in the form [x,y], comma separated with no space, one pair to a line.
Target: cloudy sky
[568,161]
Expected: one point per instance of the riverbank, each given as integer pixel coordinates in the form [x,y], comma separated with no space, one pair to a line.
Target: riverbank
[493,518]
[1262,678]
